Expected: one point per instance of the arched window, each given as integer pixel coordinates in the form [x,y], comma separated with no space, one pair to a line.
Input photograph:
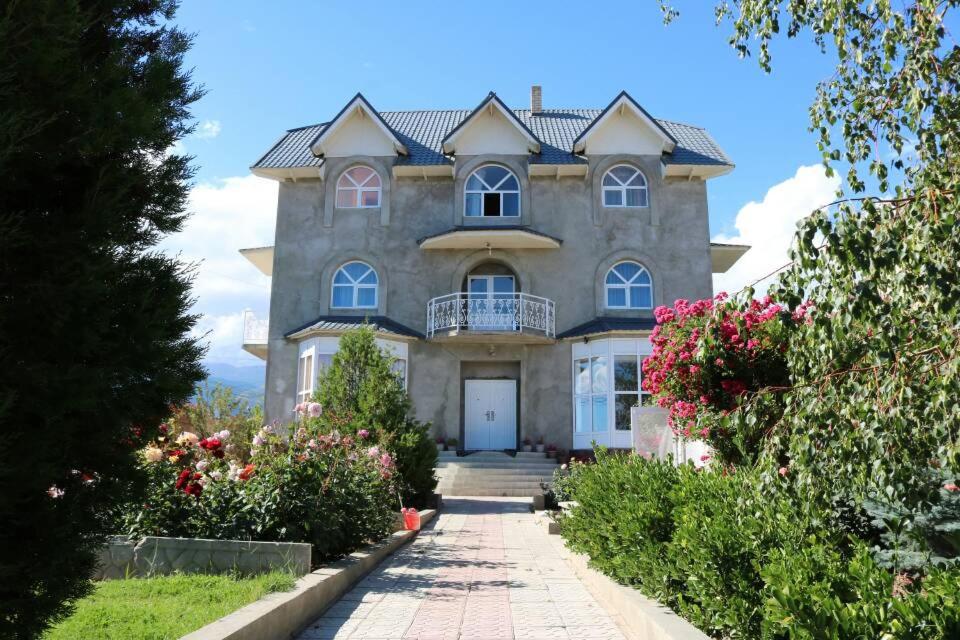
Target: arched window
[629,286]
[492,190]
[624,186]
[358,188]
[355,287]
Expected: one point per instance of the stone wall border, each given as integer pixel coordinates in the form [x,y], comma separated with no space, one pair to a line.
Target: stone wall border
[639,617]
[283,615]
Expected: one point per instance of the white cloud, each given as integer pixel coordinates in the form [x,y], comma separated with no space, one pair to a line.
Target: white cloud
[207,129]
[769,226]
[226,216]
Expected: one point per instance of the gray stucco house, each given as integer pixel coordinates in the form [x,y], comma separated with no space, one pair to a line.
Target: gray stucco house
[509,258]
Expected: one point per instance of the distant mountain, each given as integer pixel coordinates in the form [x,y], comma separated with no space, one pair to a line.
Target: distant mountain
[246,381]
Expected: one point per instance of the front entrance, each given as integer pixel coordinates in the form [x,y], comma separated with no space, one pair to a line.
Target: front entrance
[490,414]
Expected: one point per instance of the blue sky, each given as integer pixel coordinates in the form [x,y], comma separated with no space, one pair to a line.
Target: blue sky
[272,66]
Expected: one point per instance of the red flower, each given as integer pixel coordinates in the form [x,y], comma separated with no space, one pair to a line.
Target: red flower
[951,487]
[733,387]
[247,472]
[183,478]
[210,444]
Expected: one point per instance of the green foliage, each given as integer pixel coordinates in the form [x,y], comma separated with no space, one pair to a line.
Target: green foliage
[214,410]
[332,492]
[93,319]
[164,607]
[360,391]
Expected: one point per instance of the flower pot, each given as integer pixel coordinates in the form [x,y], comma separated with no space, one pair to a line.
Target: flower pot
[540,448]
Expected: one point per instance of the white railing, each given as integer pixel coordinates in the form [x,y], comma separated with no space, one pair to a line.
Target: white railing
[255,331]
[507,312]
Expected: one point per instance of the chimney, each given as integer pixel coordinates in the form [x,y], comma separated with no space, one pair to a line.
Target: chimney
[536,99]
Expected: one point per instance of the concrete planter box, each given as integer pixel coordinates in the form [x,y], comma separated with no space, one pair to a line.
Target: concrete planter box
[123,557]
[283,615]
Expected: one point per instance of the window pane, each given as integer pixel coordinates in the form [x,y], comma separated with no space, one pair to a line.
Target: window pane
[473,205]
[638,181]
[599,413]
[510,184]
[625,373]
[616,297]
[600,374]
[346,198]
[492,175]
[613,198]
[367,296]
[643,278]
[636,197]
[360,174]
[491,204]
[342,296]
[581,380]
[374,181]
[399,367]
[369,278]
[627,270]
[582,419]
[511,204]
[646,400]
[609,180]
[341,277]
[623,174]
[614,278]
[622,417]
[370,198]
[474,184]
[503,284]
[324,360]
[640,297]
[478,285]
[356,270]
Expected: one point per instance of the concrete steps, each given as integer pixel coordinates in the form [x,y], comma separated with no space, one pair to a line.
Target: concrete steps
[491,473]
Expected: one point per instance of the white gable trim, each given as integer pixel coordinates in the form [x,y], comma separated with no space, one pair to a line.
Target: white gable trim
[620,104]
[357,106]
[490,106]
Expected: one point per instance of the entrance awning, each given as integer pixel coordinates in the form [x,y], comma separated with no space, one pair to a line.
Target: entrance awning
[491,237]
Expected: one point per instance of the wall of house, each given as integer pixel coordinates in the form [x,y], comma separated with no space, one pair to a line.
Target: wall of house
[671,238]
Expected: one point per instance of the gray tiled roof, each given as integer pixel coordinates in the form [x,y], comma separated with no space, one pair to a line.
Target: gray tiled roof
[607,324]
[423,132]
[380,324]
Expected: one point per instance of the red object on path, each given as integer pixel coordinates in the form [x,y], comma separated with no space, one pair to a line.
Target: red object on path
[411,519]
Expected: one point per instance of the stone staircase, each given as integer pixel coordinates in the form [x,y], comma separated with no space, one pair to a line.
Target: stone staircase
[493,473]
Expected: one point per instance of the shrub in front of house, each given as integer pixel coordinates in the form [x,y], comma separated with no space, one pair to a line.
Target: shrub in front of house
[359,392]
[336,492]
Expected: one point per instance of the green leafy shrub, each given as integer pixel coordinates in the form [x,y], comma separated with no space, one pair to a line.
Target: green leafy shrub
[359,392]
[334,492]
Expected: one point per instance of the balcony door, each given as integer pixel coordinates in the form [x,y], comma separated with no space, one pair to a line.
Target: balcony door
[490,414]
[491,303]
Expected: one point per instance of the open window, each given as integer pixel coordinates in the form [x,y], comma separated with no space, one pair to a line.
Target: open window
[492,191]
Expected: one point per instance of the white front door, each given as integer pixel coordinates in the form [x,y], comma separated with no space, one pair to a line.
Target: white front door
[490,414]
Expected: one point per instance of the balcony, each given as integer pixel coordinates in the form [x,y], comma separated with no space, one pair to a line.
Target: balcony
[255,332]
[497,317]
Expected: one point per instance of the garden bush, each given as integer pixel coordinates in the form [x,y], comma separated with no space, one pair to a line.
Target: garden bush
[360,392]
[335,492]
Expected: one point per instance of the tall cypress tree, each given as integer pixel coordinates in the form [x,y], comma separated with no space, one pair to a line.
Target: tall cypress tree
[94,325]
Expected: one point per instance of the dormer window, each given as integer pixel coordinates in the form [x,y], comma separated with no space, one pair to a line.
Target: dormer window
[359,188]
[492,191]
[624,186]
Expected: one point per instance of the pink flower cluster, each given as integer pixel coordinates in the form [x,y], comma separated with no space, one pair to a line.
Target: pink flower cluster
[709,354]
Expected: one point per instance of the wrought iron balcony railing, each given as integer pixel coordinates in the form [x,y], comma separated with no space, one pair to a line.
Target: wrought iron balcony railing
[494,312]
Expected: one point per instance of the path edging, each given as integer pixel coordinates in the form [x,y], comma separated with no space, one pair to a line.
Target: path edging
[281,615]
[639,617]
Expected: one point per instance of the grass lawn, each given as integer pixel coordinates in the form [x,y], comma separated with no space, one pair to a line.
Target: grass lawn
[162,607]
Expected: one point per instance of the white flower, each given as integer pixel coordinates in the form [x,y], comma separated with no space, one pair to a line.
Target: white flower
[204,481]
[234,472]
[216,475]
[152,454]
[55,492]
[267,428]
[258,440]
[187,438]
[314,409]
[202,465]
[223,435]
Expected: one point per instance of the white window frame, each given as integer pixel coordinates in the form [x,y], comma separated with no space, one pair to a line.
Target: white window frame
[608,348]
[359,188]
[622,188]
[355,287]
[327,346]
[305,376]
[625,286]
[492,189]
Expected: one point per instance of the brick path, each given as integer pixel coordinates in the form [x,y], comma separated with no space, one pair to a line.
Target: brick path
[482,570]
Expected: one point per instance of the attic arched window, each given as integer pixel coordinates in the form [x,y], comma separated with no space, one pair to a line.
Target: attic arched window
[628,286]
[624,186]
[492,190]
[354,287]
[359,188]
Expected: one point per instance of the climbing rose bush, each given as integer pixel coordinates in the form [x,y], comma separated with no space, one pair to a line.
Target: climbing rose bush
[712,356]
[334,491]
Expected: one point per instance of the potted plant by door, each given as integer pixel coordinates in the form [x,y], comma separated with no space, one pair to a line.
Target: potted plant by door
[540,444]
[527,445]
[551,451]
[441,444]
[452,444]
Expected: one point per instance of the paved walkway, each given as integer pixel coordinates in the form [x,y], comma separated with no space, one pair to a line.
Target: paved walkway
[482,570]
